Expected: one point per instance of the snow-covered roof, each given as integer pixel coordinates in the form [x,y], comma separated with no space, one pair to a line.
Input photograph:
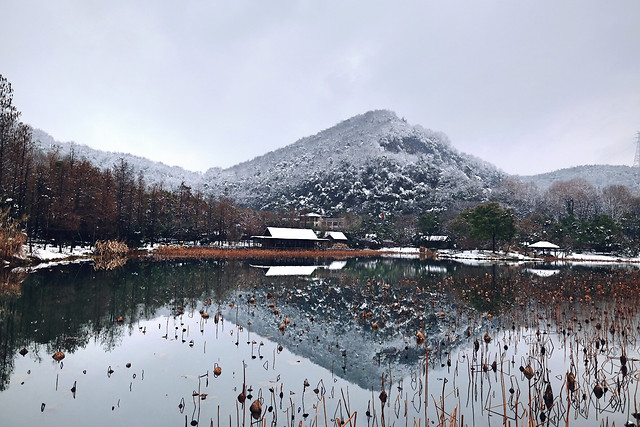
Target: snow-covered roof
[543,244]
[292,233]
[436,238]
[313,214]
[336,235]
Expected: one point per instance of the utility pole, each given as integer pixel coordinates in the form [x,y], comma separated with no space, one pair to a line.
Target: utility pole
[636,160]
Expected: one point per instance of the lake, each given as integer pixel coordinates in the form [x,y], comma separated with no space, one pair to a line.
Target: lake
[319,343]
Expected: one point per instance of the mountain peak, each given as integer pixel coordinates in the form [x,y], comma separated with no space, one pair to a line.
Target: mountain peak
[371,162]
[376,119]
[378,116]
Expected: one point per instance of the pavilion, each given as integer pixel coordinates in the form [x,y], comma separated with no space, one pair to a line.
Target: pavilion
[545,247]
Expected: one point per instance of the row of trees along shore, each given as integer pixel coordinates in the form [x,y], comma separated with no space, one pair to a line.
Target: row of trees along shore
[68,201]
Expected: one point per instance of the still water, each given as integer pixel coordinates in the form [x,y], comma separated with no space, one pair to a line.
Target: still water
[200,342]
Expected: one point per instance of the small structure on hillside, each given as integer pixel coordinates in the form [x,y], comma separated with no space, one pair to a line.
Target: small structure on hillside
[335,224]
[311,219]
[545,248]
[317,221]
[290,238]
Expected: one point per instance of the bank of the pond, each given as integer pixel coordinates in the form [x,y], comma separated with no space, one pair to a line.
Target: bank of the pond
[40,256]
[35,257]
[198,252]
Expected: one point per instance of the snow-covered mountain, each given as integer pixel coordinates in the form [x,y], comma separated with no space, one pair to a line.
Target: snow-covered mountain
[371,163]
[600,176]
[374,163]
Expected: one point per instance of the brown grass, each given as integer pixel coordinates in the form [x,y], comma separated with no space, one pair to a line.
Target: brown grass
[11,237]
[109,254]
[110,249]
[178,252]
[11,281]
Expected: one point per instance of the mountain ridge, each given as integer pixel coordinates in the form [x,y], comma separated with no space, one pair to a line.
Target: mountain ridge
[600,176]
[154,171]
[370,163]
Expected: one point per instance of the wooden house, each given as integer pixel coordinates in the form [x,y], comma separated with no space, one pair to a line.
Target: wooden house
[290,238]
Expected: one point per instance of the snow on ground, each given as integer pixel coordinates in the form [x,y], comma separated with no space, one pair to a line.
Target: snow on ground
[596,257]
[461,256]
[482,257]
[400,252]
[50,255]
[54,253]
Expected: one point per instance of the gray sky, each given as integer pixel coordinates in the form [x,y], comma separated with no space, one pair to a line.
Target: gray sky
[530,86]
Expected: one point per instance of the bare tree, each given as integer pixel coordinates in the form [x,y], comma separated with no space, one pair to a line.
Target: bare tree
[576,197]
[523,198]
[8,120]
[617,201]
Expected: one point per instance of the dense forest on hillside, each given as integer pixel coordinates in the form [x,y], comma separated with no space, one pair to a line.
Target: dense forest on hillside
[66,200]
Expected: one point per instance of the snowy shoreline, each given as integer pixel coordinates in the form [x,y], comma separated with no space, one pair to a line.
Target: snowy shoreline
[484,256]
[41,256]
[52,256]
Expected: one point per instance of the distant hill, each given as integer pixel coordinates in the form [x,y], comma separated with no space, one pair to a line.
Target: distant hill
[154,172]
[600,176]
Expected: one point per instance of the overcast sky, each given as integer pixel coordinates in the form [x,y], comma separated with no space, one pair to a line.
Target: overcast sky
[530,86]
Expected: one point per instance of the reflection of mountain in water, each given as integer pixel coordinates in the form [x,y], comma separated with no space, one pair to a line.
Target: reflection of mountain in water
[355,323]
[543,272]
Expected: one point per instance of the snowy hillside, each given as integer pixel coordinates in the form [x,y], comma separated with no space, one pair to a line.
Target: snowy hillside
[374,162]
[600,176]
[154,172]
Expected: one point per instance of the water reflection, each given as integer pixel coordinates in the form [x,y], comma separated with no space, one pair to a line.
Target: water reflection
[347,330]
[298,270]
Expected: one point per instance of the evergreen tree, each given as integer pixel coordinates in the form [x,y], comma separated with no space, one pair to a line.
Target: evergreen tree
[490,221]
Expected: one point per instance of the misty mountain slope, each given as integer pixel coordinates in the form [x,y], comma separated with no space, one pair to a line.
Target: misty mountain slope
[154,172]
[374,162]
[600,176]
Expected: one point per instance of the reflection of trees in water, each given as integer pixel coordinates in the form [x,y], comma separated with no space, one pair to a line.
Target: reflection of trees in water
[361,318]
[10,291]
[65,308]
[393,269]
[10,281]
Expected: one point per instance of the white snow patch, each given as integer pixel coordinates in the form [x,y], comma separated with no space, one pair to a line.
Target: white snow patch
[53,253]
[542,273]
[400,252]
